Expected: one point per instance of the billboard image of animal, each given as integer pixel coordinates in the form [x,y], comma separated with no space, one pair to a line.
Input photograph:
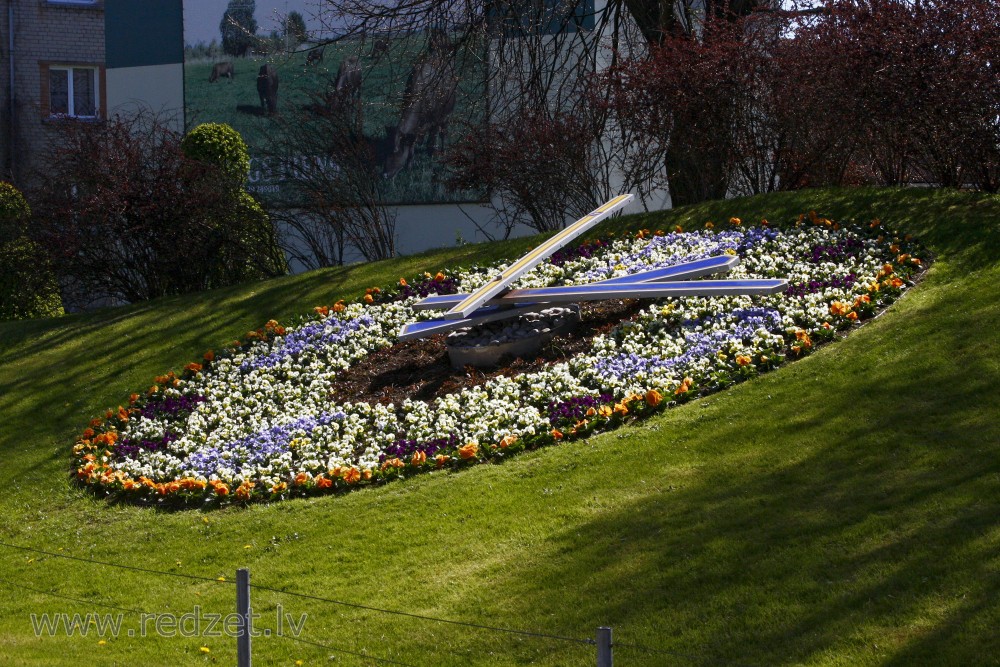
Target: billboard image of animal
[220,70]
[428,102]
[315,56]
[267,88]
[414,93]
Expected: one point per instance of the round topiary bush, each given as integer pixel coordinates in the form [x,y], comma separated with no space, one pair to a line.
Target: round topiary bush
[220,145]
[14,212]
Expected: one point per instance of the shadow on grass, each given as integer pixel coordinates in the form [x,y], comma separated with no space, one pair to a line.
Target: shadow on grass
[787,546]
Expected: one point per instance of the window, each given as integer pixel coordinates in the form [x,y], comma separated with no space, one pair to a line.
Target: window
[73,91]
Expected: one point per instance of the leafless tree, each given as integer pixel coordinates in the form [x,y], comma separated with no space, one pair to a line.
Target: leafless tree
[333,184]
[541,62]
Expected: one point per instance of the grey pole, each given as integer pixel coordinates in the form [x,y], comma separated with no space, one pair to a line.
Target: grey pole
[243,610]
[604,657]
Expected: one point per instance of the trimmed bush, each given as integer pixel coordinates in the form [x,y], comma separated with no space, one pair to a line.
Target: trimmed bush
[219,145]
[142,219]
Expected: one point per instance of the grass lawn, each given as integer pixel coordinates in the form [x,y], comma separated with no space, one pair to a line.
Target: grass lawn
[843,510]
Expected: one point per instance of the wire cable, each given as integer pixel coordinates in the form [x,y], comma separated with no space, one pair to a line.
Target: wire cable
[119,565]
[479,626]
[343,603]
[387,661]
[94,603]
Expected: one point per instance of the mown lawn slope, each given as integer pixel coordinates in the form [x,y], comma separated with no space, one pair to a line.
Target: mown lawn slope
[842,510]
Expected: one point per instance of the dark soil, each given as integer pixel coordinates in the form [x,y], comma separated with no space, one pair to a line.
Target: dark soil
[420,370]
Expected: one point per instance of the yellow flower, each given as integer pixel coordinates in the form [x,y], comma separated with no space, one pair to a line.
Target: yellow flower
[604,411]
[392,463]
[205,649]
[743,360]
[621,409]
[836,308]
[243,492]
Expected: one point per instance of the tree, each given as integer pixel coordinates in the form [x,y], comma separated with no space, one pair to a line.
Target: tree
[126,215]
[335,183]
[542,169]
[239,27]
[28,288]
[295,29]
[544,57]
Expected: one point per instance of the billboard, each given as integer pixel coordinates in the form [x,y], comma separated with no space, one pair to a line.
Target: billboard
[275,72]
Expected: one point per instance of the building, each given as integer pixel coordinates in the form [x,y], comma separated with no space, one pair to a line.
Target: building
[52,69]
[81,61]
[86,60]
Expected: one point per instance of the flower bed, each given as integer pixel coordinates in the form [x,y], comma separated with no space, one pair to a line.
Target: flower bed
[257,420]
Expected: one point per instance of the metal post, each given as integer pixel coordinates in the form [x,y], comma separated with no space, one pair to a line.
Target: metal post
[243,610]
[604,657]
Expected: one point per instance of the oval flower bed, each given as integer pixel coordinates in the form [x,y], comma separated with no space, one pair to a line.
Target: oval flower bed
[258,421]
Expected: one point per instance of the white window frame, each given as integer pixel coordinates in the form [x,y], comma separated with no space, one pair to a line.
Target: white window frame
[70,110]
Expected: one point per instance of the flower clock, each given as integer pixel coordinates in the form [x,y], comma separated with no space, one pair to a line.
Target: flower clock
[259,421]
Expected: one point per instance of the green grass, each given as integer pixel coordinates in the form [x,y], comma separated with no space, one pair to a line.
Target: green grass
[842,510]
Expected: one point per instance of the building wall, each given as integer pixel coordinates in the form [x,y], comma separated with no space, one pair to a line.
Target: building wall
[45,32]
[145,58]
